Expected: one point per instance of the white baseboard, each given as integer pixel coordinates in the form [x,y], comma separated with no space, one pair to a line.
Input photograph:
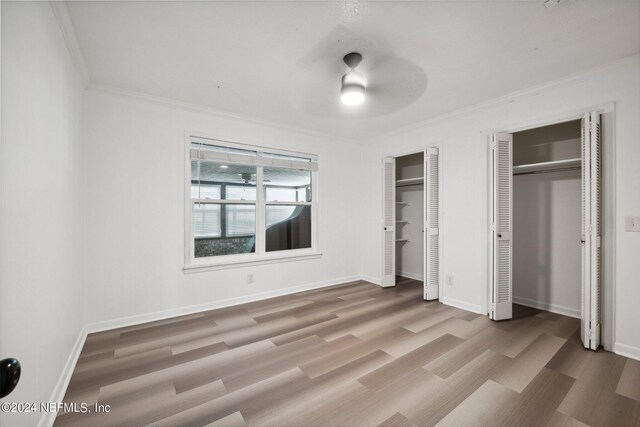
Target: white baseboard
[554,308]
[627,351]
[183,311]
[377,281]
[371,279]
[47,418]
[408,275]
[461,304]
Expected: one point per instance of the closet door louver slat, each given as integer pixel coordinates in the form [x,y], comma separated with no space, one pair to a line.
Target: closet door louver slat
[389,218]
[586,239]
[596,221]
[432,224]
[591,230]
[502,211]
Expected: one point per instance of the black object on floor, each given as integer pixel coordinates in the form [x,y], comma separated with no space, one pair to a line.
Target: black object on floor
[9,376]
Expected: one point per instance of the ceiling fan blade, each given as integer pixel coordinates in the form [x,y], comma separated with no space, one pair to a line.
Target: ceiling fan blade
[393,82]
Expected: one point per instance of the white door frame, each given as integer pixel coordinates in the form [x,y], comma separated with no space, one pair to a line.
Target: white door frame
[608,199]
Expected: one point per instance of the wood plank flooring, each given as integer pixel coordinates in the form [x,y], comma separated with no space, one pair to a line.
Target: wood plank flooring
[352,355]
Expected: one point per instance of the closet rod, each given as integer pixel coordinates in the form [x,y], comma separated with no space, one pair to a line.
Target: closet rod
[409,181]
[548,170]
[409,185]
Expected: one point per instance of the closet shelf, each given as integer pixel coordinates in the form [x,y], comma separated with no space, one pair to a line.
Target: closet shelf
[402,222]
[409,181]
[401,240]
[552,166]
[402,203]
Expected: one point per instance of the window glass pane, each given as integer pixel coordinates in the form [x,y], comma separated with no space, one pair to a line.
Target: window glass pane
[206,220]
[281,194]
[235,192]
[288,227]
[284,178]
[203,192]
[216,174]
[275,214]
[240,220]
[239,235]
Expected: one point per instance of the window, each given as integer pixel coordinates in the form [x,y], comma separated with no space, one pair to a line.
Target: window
[248,204]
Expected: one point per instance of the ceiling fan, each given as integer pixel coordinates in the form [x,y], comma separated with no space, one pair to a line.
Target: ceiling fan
[322,85]
[247,178]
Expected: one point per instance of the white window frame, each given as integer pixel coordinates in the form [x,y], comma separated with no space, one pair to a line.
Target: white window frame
[260,256]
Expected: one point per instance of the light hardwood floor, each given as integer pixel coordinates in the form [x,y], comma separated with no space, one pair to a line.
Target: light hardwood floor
[354,354]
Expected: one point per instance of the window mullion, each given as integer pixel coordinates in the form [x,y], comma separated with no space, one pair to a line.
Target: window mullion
[315,241]
[223,202]
[288,203]
[260,213]
[223,212]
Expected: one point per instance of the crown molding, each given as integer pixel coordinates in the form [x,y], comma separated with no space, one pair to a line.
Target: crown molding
[513,96]
[61,13]
[198,108]
[64,21]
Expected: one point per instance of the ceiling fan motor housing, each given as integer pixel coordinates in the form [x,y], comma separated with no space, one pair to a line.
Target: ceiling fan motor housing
[352,59]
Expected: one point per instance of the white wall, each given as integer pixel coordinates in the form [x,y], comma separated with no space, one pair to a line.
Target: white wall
[465,182]
[135,212]
[41,215]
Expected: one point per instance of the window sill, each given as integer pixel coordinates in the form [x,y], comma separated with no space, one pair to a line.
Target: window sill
[196,268]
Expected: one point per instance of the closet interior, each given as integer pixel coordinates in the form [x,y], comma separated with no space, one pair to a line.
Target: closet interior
[547,218]
[410,216]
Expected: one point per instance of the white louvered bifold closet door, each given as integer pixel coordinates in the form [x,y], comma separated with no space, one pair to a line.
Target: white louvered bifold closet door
[591,230]
[432,224]
[389,222]
[502,212]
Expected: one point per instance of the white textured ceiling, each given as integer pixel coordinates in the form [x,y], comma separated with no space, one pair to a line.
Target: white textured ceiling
[281,61]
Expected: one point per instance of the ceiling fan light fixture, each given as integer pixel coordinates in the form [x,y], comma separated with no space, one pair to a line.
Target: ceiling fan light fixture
[353,83]
[352,94]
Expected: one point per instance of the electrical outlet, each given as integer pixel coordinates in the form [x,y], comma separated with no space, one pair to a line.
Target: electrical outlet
[632,223]
[450,280]
[250,278]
